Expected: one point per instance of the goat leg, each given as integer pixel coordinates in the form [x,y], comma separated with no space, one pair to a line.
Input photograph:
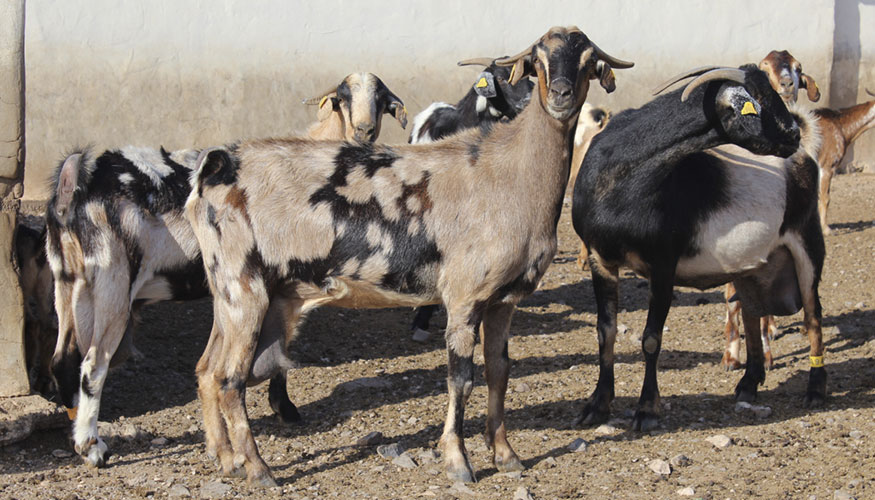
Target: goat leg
[496,329]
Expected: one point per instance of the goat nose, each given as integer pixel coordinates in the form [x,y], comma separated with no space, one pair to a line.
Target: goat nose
[364,132]
[561,88]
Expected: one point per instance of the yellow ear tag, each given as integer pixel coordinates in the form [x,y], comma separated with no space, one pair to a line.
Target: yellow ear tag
[482,83]
[512,69]
[324,98]
[816,87]
[748,109]
[816,361]
[71,413]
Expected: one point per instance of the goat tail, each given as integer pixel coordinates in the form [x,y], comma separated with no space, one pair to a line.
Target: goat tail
[214,166]
[70,185]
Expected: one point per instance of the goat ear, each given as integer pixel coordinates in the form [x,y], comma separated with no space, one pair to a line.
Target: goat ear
[521,68]
[485,85]
[327,105]
[215,166]
[397,109]
[67,181]
[606,76]
[810,86]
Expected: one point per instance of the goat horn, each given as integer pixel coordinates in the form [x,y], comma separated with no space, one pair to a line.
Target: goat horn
[611,60]
[509,61]
[870,92]
[681,76]
[318,99]
[734,74]
[477,61]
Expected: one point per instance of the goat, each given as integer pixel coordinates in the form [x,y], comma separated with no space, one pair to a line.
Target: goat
[40,330]
[591,121]
[491,99]
[678,214]
[286,225]
[786,78]
[354,109]
[118,240]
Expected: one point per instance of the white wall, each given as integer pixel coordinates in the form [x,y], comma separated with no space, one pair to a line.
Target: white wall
[203,72]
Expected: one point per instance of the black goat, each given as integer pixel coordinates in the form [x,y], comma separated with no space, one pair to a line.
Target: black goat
[677,214]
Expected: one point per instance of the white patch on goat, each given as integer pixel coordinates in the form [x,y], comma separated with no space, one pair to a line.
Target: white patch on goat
[125,178]
[420,119]
[153,290]
[481,104]
[350,267]
[100,255]
[585,123]
[740,236]
[149,161]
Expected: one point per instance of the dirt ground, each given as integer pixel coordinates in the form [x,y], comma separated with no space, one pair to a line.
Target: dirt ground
[360,372]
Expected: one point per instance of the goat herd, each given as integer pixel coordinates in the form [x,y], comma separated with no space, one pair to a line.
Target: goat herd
[716,182]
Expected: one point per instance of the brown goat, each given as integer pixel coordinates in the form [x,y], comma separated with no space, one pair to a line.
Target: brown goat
[353,110]
[287,225]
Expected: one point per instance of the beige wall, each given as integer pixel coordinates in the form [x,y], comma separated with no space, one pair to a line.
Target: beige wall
[203,72]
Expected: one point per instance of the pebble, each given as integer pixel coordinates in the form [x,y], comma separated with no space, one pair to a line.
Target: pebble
[549,462]
[404,461]
[148,487]
[159,441]
[522,493]
[660,467]
[61,453]
[513,474]
[130,431]
[622,329]
[855,434]
[178,491]
[193,428]
[420,335]
[680,460]
[605,429]
[214,489]
[686,492]
[522,387]
[370,439]
[759,411]
[428,456]
[393,450]
[720,441]
[842,495]
[578,445]
[459,487]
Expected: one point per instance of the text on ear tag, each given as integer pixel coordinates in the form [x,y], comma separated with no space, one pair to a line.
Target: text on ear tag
[482,83]
[748,109]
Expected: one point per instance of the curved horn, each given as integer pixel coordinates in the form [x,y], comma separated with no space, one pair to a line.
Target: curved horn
[734,74]
[509,61]
[611,60]
[870,92]
[477,61]
[681,76]
[318,99]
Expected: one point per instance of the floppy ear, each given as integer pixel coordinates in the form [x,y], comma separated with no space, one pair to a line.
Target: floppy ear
[606,76]
[397,109]
[810,85]
[327,105]
[522,67]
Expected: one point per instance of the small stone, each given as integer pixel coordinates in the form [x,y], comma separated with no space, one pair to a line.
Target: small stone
[686,492]
[459,487]
[404,461]
[370,439]
[178,491]
[412,420]
[148,487]
[680,460]
[193,428]
[622,329]
[759,411]
[605,429]
[214,489]
[427,456]
[522,493]
[860,305]
[842,495]
[549,462]
[420,335]
[660,467]
[855,434]
[379,468]
[393,450]
[513,474]
[720,441]
[578,445]
[129,431]
[159,441]
[522,387]
[61,454]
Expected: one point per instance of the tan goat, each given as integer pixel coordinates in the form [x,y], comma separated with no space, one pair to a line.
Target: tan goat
[287,225]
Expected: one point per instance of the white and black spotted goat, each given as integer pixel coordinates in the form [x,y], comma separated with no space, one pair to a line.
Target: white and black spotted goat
[470,221]
[492,98]
[117,240]
[653,197]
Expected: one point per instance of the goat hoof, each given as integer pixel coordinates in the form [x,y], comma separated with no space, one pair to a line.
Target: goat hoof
[463,473]
[235,472]
[592,415]
[264,481]
[95,455]
[813,400]
[644,421]
[512,464]
[290,416]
